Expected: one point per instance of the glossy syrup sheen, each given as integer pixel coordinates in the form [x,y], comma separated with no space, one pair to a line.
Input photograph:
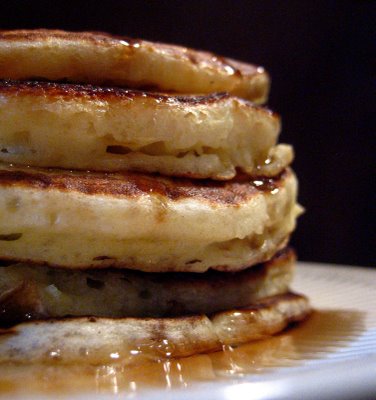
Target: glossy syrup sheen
[323,333]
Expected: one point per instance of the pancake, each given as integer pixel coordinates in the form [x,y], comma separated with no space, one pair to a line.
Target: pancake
[36,292]
[99,58]
[143,222]
[111,129]
[95,341]
[136,222]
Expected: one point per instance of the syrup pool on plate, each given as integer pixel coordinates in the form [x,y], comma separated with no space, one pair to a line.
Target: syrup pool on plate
[323,332]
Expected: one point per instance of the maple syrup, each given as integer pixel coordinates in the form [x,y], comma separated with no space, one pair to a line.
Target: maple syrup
[324,332]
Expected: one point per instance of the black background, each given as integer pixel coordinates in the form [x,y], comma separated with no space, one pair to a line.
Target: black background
[321,58]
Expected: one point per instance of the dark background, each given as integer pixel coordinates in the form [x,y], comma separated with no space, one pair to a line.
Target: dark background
[321,58]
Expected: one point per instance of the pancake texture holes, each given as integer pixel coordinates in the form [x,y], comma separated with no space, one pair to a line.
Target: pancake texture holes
[10,237]
[102,258]
[95,283]
[193,261]
[118,150]
[181,154]
[154,149]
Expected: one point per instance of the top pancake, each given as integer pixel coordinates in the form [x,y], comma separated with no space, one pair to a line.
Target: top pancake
[99,58]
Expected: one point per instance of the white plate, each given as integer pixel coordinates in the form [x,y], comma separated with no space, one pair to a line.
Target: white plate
[332,356]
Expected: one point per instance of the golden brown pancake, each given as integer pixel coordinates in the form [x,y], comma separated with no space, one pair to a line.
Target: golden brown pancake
[100,58]
[37,292]
[112,129]
[96,341]
[150,223]
[105,265]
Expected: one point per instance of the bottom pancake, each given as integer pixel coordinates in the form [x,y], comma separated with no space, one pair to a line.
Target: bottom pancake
[38,292]
[96,341]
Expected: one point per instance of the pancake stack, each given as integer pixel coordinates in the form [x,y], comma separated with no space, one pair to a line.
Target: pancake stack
[144,201]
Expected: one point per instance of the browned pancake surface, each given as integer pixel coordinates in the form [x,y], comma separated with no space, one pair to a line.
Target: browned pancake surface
[96,57]
[234,192]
